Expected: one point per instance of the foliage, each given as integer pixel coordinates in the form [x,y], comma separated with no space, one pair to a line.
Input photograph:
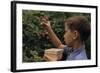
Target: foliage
[36,39]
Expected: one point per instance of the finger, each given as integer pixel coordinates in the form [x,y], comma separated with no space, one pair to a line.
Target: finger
[46,17]
[46,58]
[50,58]
[43,23]
[43,20]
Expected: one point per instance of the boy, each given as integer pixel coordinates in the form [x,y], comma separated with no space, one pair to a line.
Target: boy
[77,30]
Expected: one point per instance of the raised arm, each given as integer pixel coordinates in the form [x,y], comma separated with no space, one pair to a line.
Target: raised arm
[55,40]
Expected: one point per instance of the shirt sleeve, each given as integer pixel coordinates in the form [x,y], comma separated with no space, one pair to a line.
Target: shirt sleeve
[65,53]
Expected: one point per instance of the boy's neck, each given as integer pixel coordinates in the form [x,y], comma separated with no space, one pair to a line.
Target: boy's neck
[77,44]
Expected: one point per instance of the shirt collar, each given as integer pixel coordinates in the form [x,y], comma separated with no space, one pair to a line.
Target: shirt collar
[76,49]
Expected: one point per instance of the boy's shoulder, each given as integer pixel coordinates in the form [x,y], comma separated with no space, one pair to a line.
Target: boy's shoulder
[82,55]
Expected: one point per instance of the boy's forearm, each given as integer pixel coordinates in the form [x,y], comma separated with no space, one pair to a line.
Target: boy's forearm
[55,40]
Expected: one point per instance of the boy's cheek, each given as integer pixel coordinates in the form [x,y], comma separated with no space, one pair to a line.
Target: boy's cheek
[68,41]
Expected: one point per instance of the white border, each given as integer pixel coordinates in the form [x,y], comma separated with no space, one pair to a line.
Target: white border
[38,65]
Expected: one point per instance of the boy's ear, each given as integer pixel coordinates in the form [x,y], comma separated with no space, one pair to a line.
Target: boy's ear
[75,34]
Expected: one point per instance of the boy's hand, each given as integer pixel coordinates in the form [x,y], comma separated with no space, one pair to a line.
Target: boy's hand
[48,58]
[45,22]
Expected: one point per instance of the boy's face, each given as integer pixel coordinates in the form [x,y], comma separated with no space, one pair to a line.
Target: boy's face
[69,36]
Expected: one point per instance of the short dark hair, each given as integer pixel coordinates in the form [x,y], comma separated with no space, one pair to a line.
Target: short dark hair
[81,24]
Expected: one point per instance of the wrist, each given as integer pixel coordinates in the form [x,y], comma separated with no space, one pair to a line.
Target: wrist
[48,28]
